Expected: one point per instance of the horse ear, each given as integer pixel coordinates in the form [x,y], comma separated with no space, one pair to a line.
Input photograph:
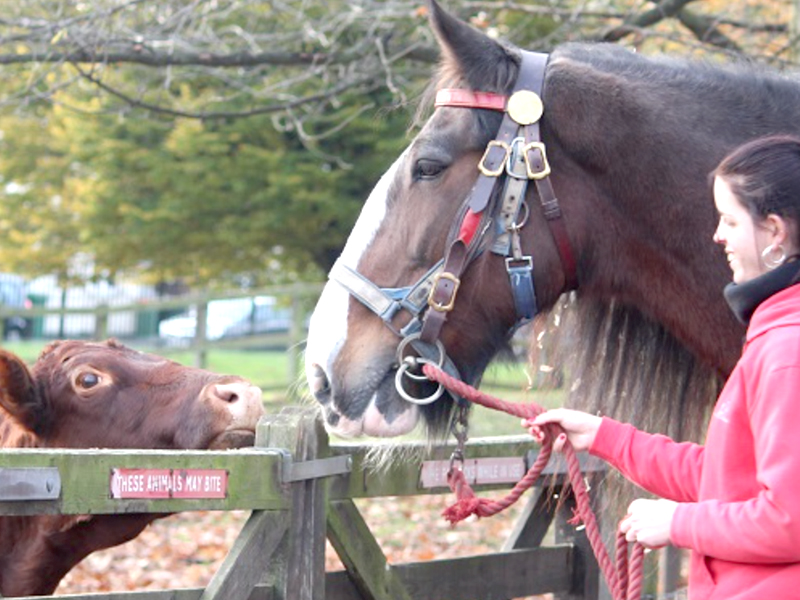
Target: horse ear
[476,57]
[19,395]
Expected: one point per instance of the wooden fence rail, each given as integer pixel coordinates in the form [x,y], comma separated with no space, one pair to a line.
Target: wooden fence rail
[301,490]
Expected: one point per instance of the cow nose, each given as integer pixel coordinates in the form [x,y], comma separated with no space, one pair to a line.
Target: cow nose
[243,401]
[318,383]
[228,392]
[235,392]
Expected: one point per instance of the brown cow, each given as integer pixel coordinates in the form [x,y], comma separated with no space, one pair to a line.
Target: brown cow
[105,395]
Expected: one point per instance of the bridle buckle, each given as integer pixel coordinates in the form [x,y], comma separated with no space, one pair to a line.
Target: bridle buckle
[545,169]
[501,165]
[443,306]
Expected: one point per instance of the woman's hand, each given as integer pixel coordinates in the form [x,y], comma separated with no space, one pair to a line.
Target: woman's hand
[579,427]
[648,522]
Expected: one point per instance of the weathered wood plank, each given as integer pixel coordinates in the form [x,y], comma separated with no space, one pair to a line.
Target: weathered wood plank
[306,568]
[361,555]
[253,479]
[249,558]
[259,593]
[587,579]
[499,576]
[340,586]
[401,477]
[534,520]
[301,431]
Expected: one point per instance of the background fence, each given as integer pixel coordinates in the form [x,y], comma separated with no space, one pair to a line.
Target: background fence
[273,317]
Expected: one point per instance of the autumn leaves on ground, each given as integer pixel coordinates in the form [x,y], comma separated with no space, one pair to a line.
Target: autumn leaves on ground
[185,550]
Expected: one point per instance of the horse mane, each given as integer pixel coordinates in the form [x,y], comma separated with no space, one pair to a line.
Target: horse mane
[621,364]
[744,80]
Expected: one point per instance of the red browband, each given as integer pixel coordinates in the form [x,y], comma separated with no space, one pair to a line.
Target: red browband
[469,99]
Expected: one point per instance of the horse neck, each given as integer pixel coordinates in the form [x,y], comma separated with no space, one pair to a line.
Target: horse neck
[649,246]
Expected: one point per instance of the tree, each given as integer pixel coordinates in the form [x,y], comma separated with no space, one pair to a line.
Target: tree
[181,198]
[299,58]
[215,140]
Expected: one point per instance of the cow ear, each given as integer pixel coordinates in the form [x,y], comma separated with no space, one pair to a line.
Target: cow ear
[19,396]
[485,64]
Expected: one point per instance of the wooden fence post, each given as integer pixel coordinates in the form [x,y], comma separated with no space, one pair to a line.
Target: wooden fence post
[588,579]
[200,335]
[101,322]
[258,548]
[302,576]
[294,350]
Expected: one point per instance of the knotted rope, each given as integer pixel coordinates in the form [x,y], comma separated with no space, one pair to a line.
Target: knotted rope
[624,577]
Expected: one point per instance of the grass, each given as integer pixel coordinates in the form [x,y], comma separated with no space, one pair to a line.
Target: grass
[269,369]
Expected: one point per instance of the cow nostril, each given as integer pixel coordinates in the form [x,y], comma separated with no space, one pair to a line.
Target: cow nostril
[226,392]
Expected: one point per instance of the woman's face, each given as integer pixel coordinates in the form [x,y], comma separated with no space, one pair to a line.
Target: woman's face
[742,239]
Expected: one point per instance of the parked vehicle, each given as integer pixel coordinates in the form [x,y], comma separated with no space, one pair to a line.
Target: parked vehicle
[181,329]
[266,316]
[13,294]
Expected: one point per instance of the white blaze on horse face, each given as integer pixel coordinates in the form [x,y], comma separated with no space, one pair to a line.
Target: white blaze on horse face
[328,325]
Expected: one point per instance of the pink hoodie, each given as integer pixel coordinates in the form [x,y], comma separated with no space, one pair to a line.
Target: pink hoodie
[739,494]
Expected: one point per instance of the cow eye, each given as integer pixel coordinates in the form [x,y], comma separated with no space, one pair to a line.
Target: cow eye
[87,380]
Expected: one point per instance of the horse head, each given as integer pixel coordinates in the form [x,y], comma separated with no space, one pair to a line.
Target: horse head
[536,175]
[399,240]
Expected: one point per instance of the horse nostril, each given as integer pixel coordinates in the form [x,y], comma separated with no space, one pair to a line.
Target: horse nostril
[318,383]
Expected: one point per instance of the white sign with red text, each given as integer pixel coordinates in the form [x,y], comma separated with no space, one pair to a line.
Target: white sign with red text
[169,483]
[478,471]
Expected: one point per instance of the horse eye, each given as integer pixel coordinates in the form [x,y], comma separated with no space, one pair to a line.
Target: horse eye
[427,169]
[87,380]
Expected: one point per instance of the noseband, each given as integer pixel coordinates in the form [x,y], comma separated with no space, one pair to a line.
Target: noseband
[514,158]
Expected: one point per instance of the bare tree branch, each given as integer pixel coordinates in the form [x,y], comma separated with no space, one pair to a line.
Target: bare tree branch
[206,115]
[253,58]
[648,18]
[143,55]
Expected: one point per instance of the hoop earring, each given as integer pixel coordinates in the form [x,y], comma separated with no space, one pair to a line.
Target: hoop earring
[773,263]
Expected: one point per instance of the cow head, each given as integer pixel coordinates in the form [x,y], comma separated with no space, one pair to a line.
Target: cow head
[106,395]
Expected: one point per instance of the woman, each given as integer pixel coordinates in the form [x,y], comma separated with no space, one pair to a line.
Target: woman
[735,502]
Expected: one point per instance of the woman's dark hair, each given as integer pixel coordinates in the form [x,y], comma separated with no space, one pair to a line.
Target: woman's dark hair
[764,175]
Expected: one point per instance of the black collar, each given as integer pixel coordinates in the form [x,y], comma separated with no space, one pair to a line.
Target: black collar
[744,298]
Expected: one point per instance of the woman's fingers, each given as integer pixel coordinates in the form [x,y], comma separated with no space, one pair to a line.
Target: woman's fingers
[648,522]
[536,431]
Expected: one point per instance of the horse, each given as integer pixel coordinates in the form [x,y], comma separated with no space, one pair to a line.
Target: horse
[577,178]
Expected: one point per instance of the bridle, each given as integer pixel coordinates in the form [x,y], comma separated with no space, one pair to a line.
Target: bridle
[515,157]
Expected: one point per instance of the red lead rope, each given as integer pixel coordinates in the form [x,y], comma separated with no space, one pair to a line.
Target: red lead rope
[624,577]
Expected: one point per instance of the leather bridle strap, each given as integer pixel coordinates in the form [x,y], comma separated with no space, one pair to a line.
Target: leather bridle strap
[491,167]
[387,302]
[537,160]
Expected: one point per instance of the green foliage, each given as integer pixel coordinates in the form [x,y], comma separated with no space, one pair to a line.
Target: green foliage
[179,198]
[99,159]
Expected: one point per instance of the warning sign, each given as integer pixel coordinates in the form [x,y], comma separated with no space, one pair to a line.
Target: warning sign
[169,483]
[478,471]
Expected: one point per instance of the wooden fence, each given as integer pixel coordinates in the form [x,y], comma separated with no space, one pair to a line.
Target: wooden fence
[301,489]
